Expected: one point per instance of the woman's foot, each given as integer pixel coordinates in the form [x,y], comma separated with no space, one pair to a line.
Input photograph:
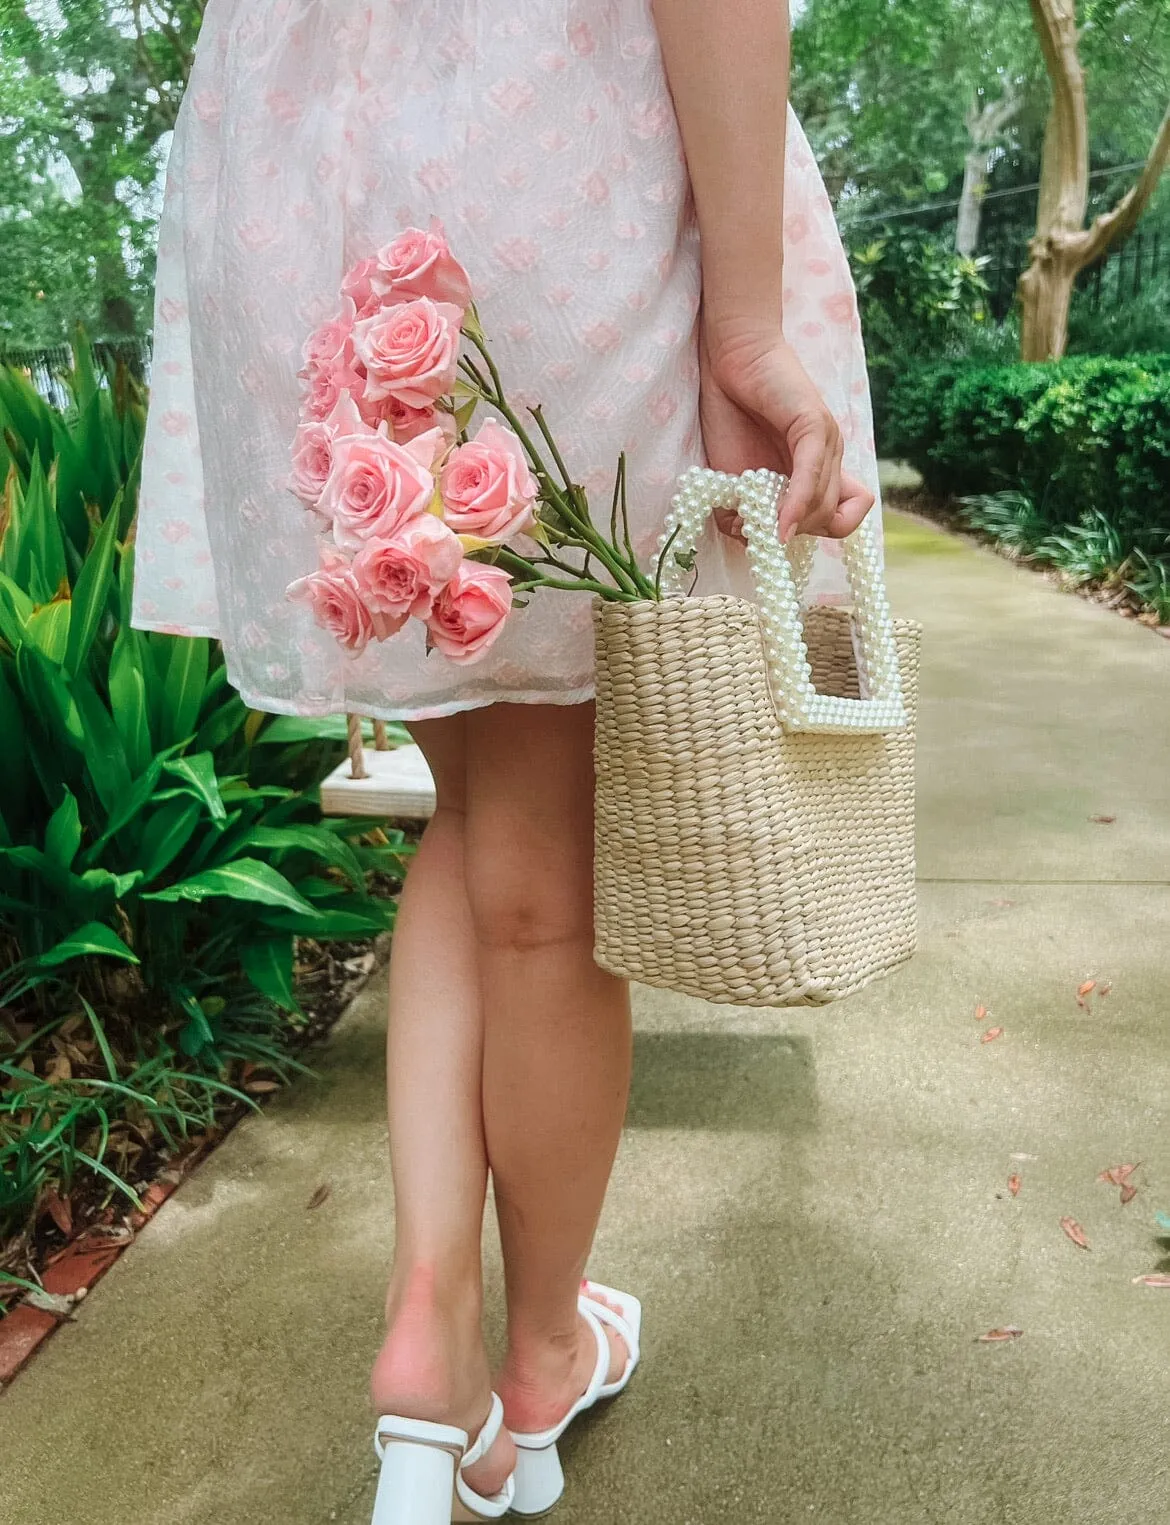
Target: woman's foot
[433,1366]
[541,1380]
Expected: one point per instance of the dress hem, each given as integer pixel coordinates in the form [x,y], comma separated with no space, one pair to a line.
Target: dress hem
[272,706]
[413,712]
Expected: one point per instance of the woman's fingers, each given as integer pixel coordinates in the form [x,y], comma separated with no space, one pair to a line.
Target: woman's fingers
[804,485]
[816,459]
[856,501]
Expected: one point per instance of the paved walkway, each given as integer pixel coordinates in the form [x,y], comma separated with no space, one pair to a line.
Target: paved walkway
[813,1204]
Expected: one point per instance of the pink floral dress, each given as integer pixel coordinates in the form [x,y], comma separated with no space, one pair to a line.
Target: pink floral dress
[541,133]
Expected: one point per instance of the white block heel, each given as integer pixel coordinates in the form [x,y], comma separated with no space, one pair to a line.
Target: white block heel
[422,1482]
[539,1480]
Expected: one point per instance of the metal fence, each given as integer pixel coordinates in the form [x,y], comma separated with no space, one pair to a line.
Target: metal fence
[48,367]
[1118,277]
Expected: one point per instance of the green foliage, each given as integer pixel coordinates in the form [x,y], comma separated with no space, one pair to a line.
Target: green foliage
[1066,462]
[920,300]
[89,90]
[157,862]
[1139,325]
[1011,518]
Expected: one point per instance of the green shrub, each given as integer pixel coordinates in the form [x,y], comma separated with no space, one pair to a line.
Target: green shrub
[920,302]
[1073,434]
[161,847]
[1066,462]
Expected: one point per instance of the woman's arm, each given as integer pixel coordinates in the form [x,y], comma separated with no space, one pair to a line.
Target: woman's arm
[727,63]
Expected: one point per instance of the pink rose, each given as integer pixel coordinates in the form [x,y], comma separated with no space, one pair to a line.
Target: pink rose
[312,459]
[357,285]
[429,448]
[373,487]
[407,423]
[419,264]
[328,386]
[469,613]
[313,448]
[486,485]
[410,352]
[335,600]
[331,345]
[401,576]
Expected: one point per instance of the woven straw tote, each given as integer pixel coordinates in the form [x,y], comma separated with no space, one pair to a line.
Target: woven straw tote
[755,771]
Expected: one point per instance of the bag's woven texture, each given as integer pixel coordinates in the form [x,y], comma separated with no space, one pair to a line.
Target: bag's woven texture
[737,861]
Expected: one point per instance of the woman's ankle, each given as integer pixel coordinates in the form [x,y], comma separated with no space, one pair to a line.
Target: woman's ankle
[544,1374]
[432,1364]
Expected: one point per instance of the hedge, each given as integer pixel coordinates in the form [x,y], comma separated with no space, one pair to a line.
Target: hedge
[1081,436]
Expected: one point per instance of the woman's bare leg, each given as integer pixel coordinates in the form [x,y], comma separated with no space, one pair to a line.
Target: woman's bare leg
[433,1364]
[557,1045]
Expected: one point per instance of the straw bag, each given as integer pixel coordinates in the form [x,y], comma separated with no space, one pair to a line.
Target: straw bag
[755,773]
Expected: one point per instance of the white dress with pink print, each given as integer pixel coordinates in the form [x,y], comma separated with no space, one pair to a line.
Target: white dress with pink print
[541,133]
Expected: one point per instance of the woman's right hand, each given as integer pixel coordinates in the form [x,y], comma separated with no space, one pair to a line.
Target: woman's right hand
[759,408]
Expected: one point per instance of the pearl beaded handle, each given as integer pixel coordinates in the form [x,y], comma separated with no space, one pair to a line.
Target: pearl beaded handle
[780,578]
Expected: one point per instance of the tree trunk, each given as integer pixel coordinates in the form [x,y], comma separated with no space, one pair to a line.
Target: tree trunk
[971,202]
[984,123]
[1062,246]
[1046,289]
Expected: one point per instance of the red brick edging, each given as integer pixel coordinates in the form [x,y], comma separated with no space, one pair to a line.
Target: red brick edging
[73,1270]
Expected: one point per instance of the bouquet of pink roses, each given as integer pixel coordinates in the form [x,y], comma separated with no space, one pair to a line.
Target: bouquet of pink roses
[419,519]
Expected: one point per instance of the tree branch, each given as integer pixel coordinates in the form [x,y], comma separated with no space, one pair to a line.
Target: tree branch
[1112,226]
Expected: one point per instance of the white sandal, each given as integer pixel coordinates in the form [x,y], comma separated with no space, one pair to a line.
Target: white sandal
[538,1479]
[422,1482]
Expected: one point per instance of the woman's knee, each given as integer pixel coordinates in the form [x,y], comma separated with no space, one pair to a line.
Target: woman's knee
[528,890]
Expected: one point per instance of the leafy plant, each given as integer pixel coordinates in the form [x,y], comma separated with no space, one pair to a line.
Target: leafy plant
[156,863]
[1092,551]
[1149,582]
[1009,517]
[1065,462]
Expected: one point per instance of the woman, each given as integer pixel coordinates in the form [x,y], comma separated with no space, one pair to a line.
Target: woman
[655,261]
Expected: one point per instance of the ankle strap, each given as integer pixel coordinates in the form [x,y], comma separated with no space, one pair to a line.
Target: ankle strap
[419,1432]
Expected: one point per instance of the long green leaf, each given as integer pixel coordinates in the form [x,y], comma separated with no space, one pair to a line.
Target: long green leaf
[166,835]
[63,833]
[16,609]
[134,801]
[99,1034]
[48,629]
[128,699]
[105,755]
[326,924]
[310,839]
[183,687]
[40,551]
[91,593]
[245,879]
[51,697]
[93,938]
[197,775]
[268,963]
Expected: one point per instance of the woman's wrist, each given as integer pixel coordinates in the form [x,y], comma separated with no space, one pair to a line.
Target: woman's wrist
[742,292]
[732,337]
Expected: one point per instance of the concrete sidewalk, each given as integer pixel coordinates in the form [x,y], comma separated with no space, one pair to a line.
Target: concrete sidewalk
[814,1205]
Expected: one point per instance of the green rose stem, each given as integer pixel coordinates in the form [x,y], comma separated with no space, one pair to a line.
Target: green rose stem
[571,505]
[531,577]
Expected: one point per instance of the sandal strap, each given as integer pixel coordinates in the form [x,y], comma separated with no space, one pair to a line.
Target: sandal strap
[488,1435]
[499,1504]
[621,1326]
[419,1432]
